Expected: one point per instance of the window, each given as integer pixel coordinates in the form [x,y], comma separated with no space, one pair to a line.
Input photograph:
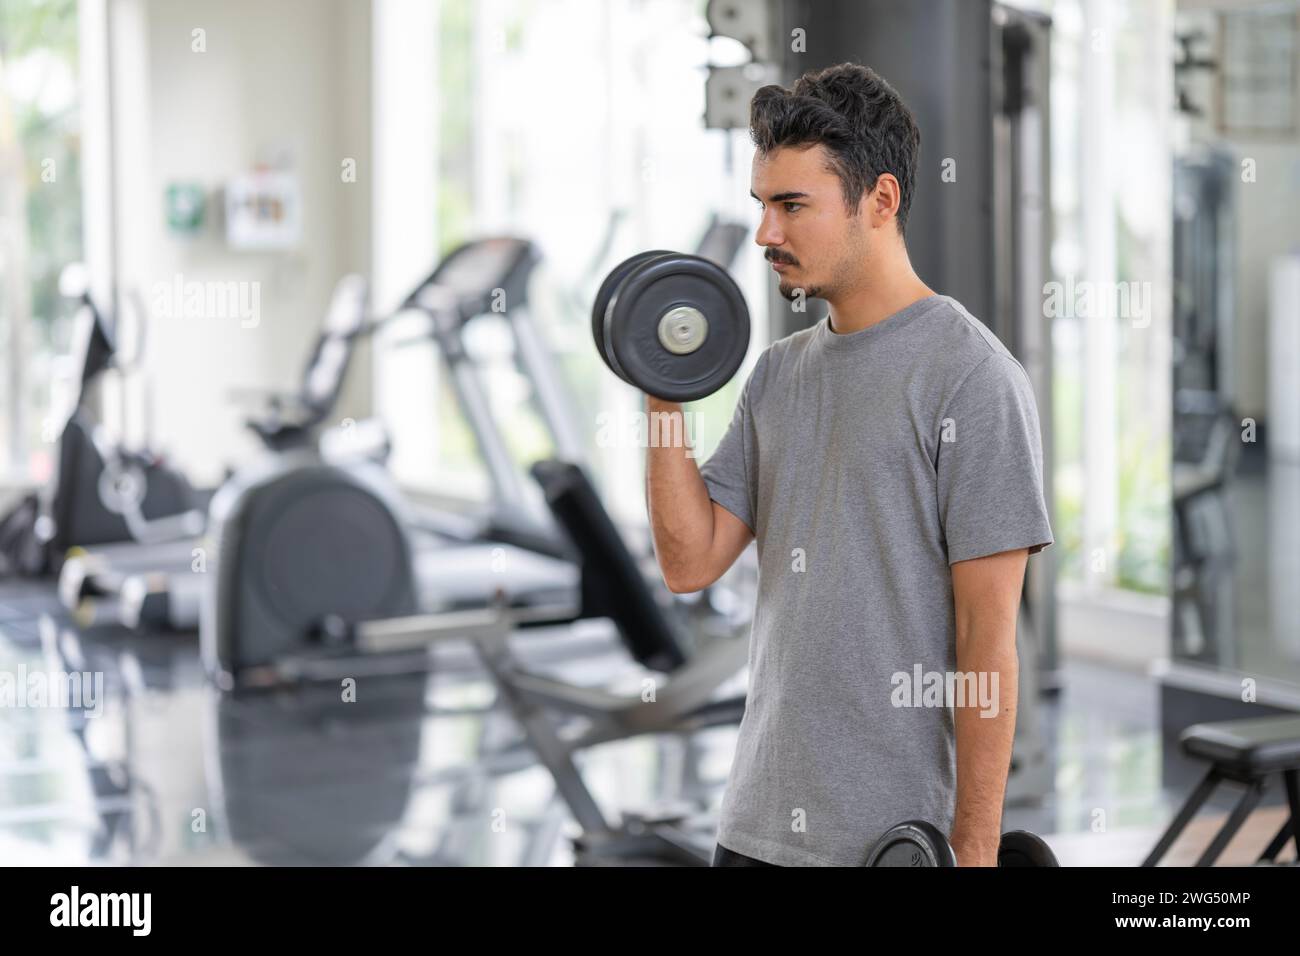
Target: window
[1111,173]
[40,225]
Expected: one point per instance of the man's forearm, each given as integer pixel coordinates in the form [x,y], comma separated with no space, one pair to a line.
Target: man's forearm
[984,740]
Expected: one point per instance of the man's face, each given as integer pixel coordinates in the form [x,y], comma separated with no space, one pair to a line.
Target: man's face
[806,230]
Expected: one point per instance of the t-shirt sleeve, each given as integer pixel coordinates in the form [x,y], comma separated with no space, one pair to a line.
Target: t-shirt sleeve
[730,471]
[990,464]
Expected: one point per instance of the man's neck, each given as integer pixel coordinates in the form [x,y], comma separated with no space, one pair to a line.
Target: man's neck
[881,294]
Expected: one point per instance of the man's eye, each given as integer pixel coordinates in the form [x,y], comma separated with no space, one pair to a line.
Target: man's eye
[793,206]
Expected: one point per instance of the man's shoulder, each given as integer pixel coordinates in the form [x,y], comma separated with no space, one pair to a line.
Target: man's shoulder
[961,333]
[963,343]
[946,339]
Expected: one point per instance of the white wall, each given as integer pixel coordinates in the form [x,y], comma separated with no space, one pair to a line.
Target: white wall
[288,78]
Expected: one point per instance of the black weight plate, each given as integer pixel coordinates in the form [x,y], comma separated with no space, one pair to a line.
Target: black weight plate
[606,292]
[1022,848]
[632,327]
[913,843]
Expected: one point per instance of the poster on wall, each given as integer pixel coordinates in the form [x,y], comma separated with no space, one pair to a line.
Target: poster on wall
[263,211]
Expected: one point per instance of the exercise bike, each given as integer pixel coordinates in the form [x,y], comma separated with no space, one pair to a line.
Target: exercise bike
[102,492]
[130,583]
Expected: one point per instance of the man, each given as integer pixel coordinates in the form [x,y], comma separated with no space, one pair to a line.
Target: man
[888,461]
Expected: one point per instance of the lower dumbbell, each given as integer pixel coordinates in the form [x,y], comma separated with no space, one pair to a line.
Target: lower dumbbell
[918,843]
[1022,848]
[912,843]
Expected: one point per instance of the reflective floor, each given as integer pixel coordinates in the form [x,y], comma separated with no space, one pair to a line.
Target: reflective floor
[425,770]
[420,770]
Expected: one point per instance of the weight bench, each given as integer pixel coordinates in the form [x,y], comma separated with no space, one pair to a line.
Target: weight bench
[684,703]
[1248,752]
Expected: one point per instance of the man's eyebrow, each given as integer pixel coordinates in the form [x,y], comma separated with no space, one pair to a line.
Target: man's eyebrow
[782,197]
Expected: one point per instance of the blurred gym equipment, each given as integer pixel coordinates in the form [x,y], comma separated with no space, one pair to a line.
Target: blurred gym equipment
[163,589]
[284,526]
[158,586]
[317,579]
[293,420]
[354,640]
[1250,753]
[132,582]
[281,532]
[101,491]
[1206,443]
[302,549]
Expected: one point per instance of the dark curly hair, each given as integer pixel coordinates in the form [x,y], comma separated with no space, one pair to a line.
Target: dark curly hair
[859,118]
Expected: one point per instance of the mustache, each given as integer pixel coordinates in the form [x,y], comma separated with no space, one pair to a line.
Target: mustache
[781,257]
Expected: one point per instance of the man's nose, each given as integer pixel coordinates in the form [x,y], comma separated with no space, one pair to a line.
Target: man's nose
[768,233]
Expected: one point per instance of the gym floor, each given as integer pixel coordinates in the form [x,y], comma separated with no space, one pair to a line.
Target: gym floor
[423,771]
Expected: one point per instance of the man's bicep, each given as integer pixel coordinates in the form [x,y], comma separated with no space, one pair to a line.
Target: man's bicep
[730,537]
[730,472]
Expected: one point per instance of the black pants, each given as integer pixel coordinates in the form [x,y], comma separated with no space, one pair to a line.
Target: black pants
[724,857]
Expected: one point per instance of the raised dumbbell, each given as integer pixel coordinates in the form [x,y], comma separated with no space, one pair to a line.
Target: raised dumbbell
[671,324]
[918,843]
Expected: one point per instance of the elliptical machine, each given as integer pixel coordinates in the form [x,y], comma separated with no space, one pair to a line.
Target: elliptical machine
[101,491]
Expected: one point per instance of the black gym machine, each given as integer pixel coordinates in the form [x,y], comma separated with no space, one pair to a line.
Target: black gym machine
[130,580]
[102,492]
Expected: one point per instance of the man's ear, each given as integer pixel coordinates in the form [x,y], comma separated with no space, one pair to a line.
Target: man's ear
[882,200]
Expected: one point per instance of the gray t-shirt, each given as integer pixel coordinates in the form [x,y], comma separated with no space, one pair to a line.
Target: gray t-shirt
[865,464]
